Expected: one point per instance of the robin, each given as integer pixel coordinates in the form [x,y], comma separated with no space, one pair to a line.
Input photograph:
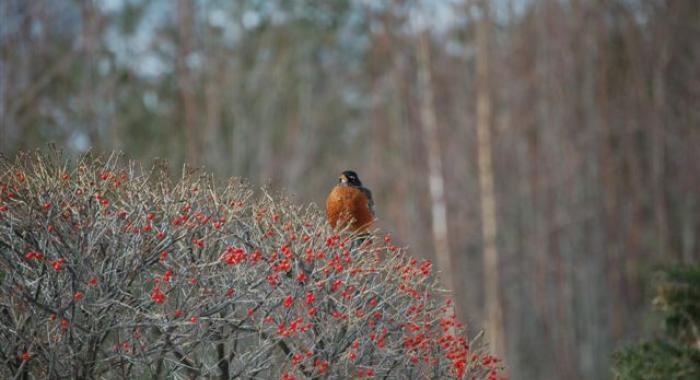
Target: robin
[350,204]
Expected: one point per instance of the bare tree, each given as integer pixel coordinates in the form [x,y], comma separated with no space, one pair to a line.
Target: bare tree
[492,275]
[186,17]
[436,181]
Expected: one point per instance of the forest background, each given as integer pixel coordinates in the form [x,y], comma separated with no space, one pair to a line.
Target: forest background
[546,154]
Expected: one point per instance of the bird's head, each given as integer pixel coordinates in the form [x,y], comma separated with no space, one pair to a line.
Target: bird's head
[349,178]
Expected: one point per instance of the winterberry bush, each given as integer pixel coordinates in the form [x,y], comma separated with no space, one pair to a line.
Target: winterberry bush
[109,270]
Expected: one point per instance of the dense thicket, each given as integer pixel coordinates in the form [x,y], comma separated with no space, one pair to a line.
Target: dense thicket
[108,270]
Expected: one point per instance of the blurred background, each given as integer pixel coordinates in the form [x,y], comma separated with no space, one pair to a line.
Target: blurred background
[545,154]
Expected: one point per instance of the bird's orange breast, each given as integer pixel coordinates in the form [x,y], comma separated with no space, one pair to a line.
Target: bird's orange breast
[349,205]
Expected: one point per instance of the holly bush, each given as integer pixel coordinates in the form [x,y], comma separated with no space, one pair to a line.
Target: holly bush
[112,270]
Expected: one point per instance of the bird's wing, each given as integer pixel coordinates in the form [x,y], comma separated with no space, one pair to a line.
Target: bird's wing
[370,201]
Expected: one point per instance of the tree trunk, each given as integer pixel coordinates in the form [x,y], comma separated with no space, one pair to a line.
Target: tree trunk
[218,81]
[658,153]
[433,152]
[185,10]
[89,81]
[492,275]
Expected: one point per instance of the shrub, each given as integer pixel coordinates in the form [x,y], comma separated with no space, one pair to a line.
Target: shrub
[676,356]
[112,271]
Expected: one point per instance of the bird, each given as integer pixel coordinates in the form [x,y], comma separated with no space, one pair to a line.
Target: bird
[350,204]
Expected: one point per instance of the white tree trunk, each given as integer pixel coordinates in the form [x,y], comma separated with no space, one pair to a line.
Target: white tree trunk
[433,152]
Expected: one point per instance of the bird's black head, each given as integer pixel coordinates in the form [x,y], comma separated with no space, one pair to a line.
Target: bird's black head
[349,178]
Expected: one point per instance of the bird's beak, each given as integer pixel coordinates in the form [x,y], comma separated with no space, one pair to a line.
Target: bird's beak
[343,178]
